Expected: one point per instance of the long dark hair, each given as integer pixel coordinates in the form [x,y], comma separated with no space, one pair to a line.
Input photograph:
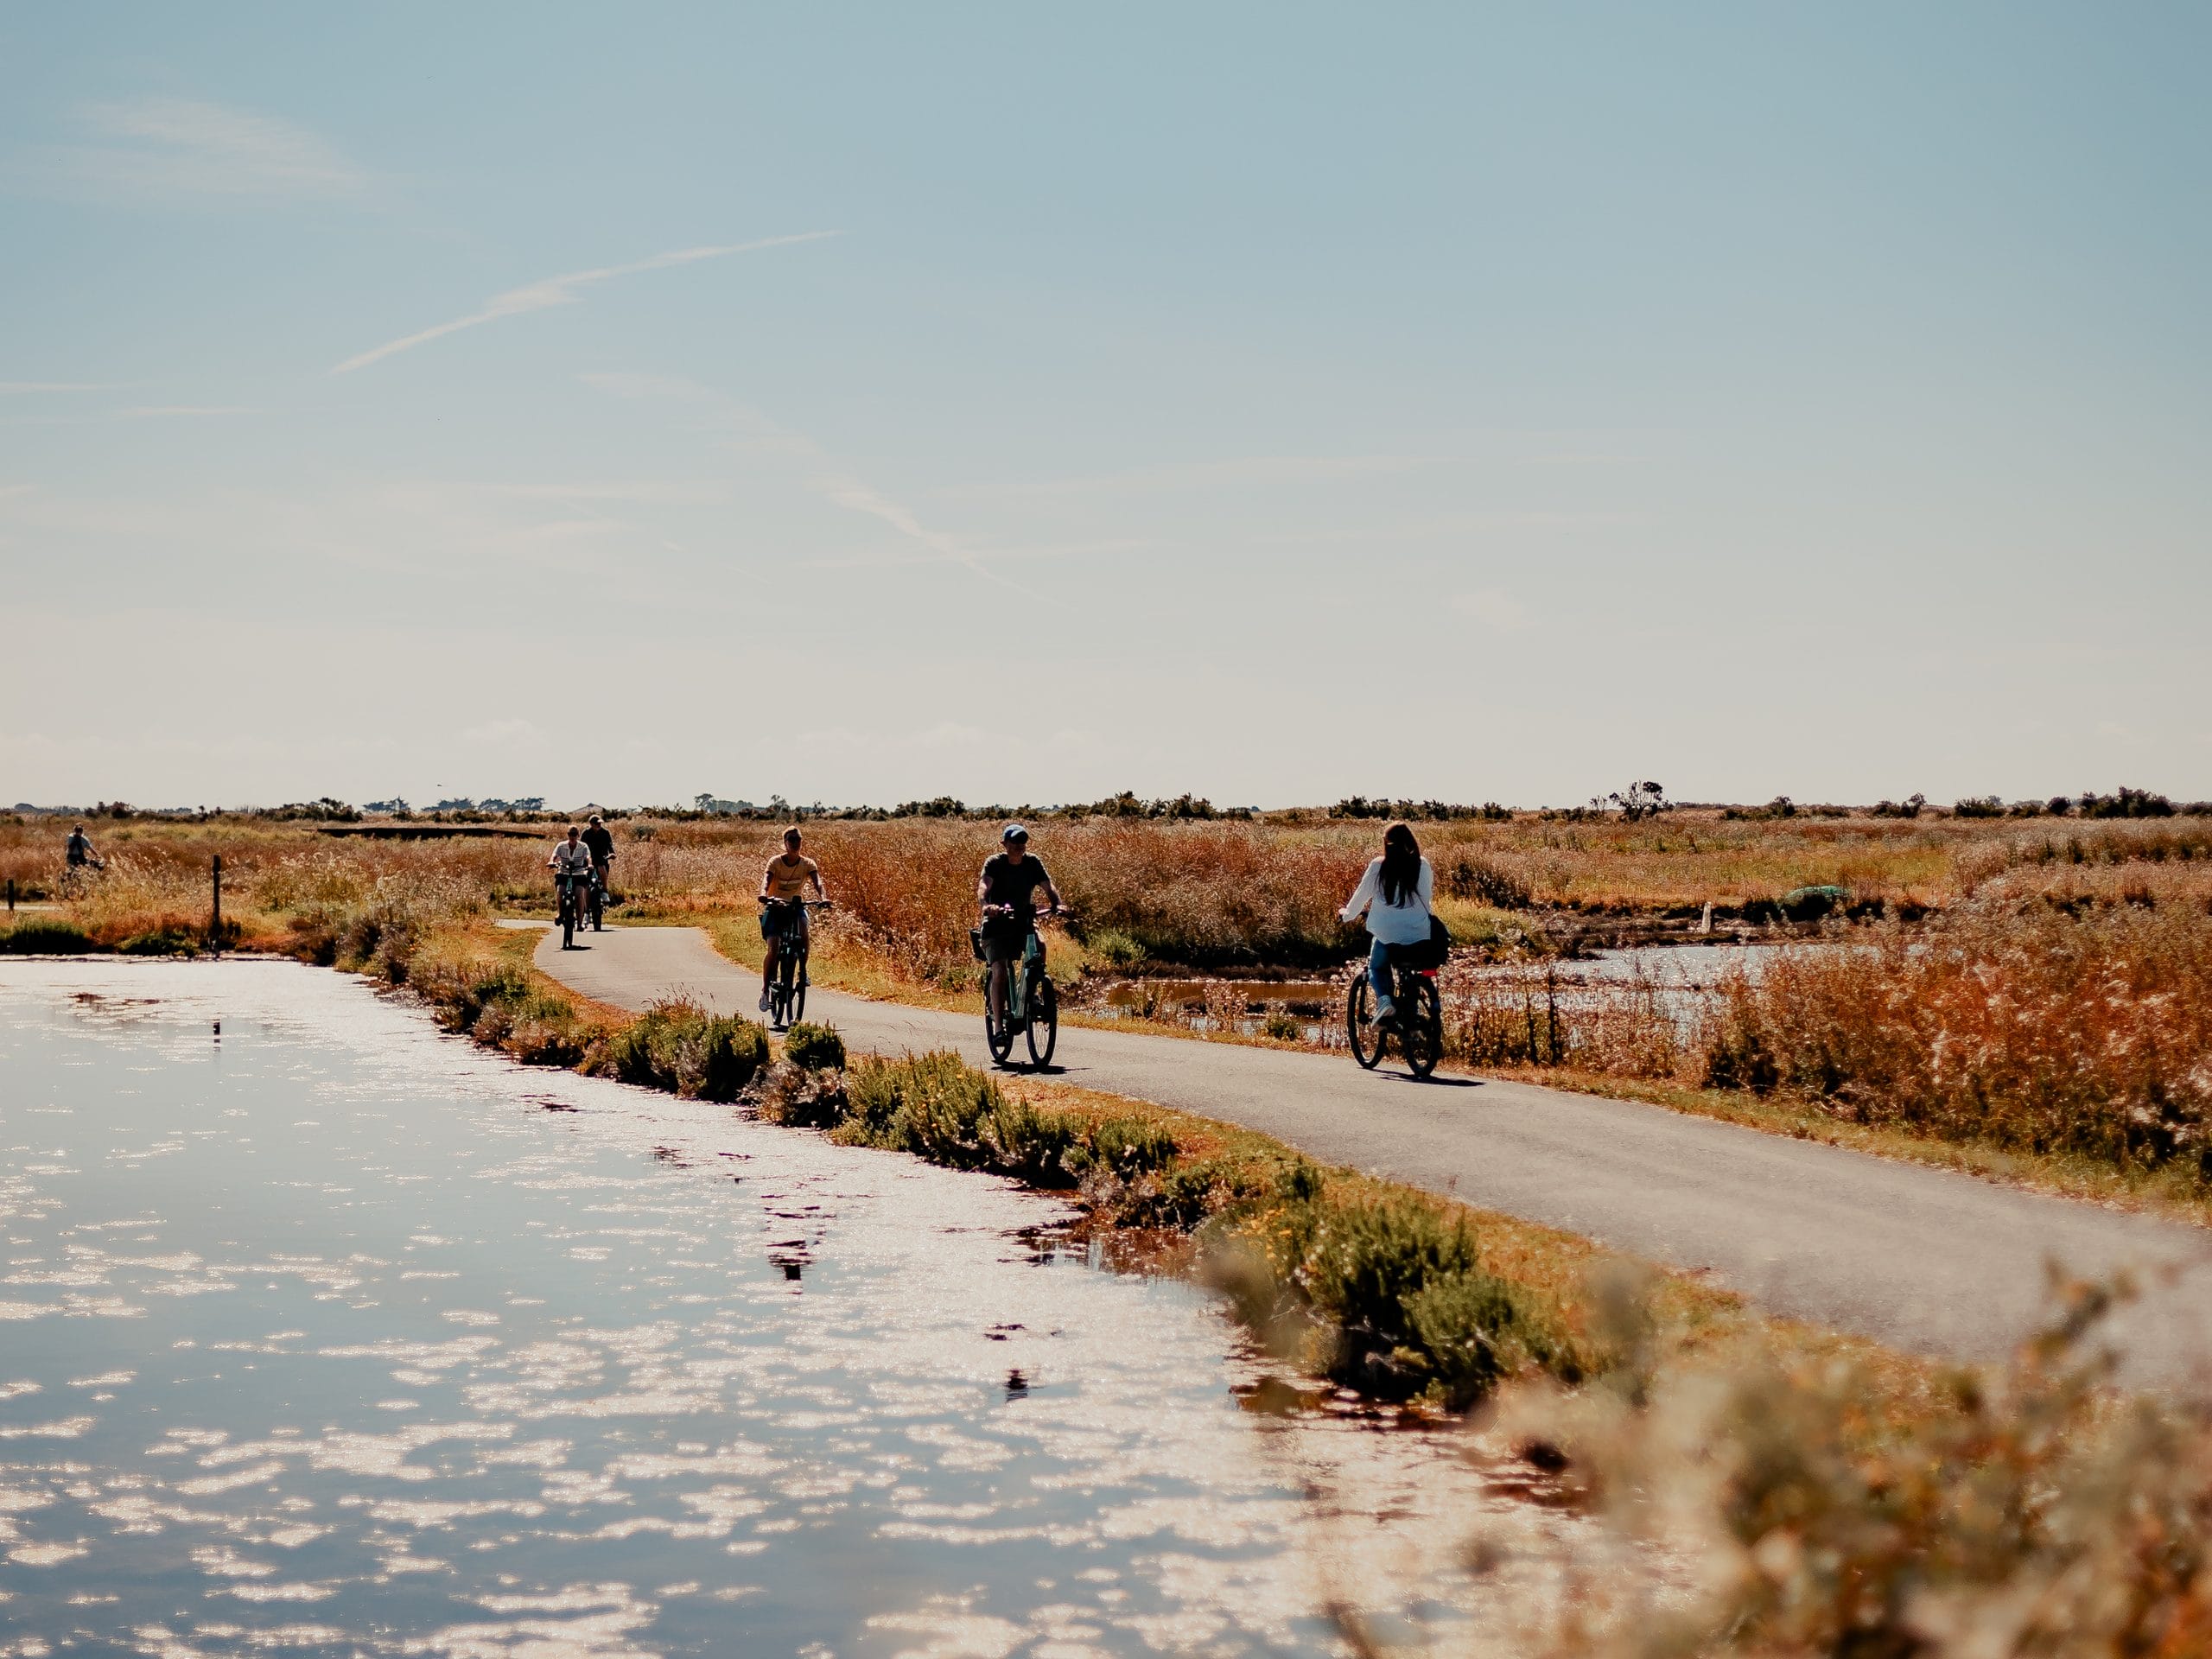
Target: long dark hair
[1401,865]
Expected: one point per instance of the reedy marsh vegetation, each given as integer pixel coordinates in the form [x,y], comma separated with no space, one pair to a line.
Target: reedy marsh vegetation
[2035,986]
[1808,1495]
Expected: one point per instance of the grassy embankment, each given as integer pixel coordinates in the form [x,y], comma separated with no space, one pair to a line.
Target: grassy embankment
[1830,1498]
[2043,1017]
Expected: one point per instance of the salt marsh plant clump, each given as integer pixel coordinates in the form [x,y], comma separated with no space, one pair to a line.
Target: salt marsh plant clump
[681,1047]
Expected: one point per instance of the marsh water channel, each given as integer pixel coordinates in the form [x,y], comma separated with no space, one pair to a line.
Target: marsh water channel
[1679,975]
[322,1332]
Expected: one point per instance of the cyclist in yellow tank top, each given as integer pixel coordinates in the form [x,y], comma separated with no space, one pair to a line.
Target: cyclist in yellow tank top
[784,917]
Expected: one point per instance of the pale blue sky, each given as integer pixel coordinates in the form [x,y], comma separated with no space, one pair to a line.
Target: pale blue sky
[1272,402]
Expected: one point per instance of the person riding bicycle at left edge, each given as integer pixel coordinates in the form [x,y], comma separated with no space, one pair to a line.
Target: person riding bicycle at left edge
[1397,892]
[783,884]
[570,857]
[1006,891]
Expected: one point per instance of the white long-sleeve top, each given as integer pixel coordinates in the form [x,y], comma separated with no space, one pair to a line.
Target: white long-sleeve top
[1406,923]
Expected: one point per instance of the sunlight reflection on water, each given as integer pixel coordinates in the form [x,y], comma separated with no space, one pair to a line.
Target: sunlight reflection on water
[334,1334]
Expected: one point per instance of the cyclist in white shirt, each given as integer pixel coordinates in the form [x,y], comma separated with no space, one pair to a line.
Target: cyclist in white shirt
[1396,893]
[570,856]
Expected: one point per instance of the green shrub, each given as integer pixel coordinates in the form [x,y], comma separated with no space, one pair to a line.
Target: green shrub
[41,937]
[938,1107]
[814,1047]
[1127,1148]
[680,1047]
[1113,948]
[1283,1026]
[168,940]
[1395,1288]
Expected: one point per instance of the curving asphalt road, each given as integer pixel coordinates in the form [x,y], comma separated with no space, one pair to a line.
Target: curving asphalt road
[1918,1258]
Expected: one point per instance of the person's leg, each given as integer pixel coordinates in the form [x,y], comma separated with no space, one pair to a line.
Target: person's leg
[768,962]
[998,990]
[1378,976]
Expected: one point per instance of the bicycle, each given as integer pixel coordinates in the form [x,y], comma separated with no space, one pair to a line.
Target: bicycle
[598,900]
[1417,1020]
[787,992]
[1032,1004]
[572,904]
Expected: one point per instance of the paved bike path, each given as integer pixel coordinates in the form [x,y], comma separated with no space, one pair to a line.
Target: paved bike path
[1918,1258]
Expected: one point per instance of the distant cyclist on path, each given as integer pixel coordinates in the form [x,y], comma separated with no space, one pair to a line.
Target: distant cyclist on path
[599,841]
[78,850]
[1007,892]
[783,884]
[1397,892]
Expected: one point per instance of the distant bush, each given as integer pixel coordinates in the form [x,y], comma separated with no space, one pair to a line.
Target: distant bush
[1486,882]
[2125,804]
[1978,806]
[42,937]
[170,939]
[679,1046]
[814,1047]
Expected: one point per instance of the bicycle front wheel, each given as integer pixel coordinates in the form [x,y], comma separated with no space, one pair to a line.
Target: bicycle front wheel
[798,992]
[998,1034]
[1043,1023]
[1367,1038]
[1420,1031]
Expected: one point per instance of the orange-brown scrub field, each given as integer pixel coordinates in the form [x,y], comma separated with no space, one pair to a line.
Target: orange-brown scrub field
[2031,987]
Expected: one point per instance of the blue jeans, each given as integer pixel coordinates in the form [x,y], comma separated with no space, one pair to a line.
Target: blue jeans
[1378,970]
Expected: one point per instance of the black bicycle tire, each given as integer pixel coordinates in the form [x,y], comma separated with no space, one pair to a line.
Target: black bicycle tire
[1360,997]
[1044,1010]
[798,993]
[996,1037]
[1424,1017]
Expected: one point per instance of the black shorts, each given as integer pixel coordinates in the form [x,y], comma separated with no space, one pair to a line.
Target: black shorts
[1005,943]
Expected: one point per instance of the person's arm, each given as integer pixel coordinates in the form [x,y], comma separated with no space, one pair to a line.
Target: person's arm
[768,877]
[815,876]
[1363,896]
[1427,886]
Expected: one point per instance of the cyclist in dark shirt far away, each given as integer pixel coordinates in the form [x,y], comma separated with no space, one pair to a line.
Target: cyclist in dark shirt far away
[1007,892]
[598,841]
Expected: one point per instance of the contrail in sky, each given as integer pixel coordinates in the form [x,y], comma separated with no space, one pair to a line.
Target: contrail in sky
[564,291]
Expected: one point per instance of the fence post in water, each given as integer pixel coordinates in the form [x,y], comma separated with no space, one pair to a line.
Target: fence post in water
[215,920]
[1551,1010]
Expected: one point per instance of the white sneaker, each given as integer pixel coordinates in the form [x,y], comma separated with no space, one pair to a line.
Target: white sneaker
[764,1001]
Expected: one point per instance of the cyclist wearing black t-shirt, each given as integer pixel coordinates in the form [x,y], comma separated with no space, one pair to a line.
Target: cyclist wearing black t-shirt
[1006,891]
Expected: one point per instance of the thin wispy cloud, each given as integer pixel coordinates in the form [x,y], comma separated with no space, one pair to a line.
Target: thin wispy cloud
[15,387]
[1239,469]
[160,411]
[818,472]
[564,290]
[170,149]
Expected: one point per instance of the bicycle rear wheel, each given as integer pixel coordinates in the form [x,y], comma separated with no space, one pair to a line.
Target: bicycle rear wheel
[1043,1031]
[1420,1024]
[998,1034]
[1368,1039]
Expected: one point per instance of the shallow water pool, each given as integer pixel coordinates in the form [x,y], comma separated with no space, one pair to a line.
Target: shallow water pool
[326,1333]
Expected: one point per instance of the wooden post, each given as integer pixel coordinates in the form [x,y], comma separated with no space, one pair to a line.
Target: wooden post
[215,922]
[11,895]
